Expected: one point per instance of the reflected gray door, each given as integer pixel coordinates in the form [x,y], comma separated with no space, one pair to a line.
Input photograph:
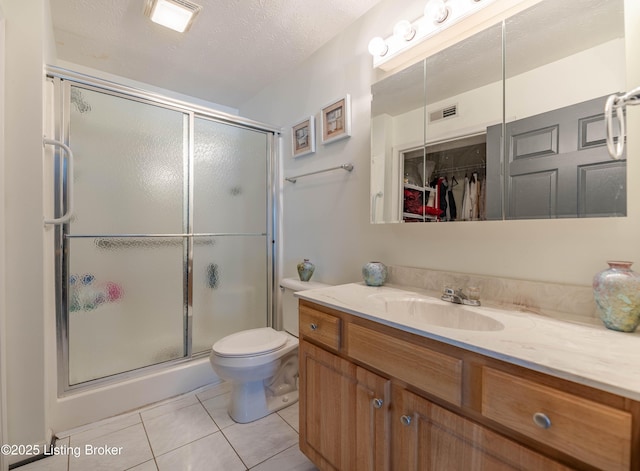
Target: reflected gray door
[558,166]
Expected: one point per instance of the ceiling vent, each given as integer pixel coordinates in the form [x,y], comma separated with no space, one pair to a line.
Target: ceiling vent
[447,112]
[175,14]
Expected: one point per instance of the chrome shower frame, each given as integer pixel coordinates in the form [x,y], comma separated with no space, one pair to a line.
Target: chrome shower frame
[62,80]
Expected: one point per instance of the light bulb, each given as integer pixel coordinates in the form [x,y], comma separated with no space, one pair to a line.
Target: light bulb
[436,10]
[377,47]
[404,30]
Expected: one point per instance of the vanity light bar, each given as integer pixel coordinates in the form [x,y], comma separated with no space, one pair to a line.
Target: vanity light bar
[440,15]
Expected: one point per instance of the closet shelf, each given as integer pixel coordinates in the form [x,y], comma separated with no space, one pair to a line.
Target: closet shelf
[426,217]
[409,186]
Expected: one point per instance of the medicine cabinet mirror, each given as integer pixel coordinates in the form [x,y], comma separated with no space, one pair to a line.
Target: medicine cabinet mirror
[505,124]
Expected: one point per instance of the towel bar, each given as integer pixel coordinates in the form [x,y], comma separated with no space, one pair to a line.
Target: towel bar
[347,167]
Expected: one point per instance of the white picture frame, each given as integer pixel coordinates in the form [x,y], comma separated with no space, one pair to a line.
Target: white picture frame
[303,137]
[335,120]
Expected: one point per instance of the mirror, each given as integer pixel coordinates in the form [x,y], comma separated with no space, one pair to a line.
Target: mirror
[558,75]
[397,126]
[438,152]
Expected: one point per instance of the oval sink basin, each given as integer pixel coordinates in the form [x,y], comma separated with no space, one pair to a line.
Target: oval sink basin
[415,310]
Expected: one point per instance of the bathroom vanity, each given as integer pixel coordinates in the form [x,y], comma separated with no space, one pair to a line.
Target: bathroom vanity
[392,379]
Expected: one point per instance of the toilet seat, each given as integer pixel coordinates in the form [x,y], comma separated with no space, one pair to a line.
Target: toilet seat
[251,342]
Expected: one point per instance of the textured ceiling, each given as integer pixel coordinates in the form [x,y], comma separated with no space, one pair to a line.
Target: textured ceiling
[234,49]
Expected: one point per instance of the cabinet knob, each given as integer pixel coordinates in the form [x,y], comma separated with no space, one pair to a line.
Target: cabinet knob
[541,420]
[405,420]
[377,403]
[313,326]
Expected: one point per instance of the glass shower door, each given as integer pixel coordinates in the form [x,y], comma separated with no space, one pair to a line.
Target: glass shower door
[126,243]
[230,226]
[169,248]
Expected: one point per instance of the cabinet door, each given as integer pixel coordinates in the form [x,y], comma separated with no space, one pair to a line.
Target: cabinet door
[327,395]
[428,437]
[373,396]
[344,413]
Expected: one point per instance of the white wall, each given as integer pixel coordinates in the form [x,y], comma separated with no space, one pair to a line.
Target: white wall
[604,65]
[3,311]
[26,46]
[326,217]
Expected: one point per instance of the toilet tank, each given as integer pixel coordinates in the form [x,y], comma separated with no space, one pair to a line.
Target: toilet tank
[290,302]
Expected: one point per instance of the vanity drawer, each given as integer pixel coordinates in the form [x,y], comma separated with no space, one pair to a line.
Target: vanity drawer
[593,433]
[319,326]
[431,371]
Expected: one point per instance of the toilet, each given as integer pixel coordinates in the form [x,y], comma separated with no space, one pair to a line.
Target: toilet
[262,364]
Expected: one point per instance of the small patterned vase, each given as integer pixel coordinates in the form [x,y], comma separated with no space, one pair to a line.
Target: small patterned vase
[617,294]
[305,270]
[374,273]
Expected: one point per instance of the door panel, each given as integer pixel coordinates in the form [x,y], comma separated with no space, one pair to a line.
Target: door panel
[230,179]
[126,304]
[558,165]
[229,287]
[129,170]
[602,189]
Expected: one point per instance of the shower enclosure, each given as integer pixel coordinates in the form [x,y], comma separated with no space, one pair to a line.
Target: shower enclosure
[170,245]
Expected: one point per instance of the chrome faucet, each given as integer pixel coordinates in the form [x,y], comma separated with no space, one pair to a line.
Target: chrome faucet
[458,297]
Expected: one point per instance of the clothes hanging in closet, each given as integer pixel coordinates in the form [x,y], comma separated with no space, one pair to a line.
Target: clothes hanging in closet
[452,213]
[466,200]
[482,200]
[442,195]
[473,195]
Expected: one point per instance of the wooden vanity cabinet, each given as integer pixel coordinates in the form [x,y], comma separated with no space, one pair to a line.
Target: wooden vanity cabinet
[376,398]
[344,412]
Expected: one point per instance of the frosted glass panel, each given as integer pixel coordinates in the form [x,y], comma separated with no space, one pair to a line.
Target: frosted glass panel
[230,183]
[229,287]
[142,196]
[125,304]
[129,176]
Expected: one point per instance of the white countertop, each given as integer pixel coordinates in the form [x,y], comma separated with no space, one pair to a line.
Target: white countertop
[587,354]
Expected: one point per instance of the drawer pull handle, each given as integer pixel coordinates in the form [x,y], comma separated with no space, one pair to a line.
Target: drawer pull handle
[377,403]
[405,420]
[542,420]
[313,326]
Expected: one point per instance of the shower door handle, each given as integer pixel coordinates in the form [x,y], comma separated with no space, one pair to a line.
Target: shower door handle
[66,216]
[374,205]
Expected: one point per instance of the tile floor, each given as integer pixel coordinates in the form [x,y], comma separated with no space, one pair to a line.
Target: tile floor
[191,432]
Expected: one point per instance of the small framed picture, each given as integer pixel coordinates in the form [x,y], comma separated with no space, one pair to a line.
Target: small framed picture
[303,137]
[336,120]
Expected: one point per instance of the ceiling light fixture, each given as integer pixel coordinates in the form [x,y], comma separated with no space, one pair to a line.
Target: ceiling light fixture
[438,15]
[175,14]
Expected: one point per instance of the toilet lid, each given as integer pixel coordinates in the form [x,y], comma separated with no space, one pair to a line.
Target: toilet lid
[250,342]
